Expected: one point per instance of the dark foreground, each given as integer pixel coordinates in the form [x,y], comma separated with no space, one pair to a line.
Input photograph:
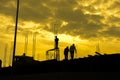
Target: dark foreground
[65,76]
[92,67]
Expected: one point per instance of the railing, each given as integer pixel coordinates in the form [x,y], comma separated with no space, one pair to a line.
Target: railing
[53,54]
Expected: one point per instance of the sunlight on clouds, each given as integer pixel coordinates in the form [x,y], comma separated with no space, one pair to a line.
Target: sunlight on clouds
[27,24]
[46,35]
[64,23]
[69,39]
[10,4]
[96,7]
[75,8]
[5,21]
[48,25]
[85,3]
[86,12]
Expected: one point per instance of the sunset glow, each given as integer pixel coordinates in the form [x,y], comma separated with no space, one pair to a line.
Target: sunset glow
[82,22]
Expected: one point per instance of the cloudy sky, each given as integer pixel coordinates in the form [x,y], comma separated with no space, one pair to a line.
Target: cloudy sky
[83,22]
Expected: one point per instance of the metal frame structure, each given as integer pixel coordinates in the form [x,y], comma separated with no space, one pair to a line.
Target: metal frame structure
[56,51]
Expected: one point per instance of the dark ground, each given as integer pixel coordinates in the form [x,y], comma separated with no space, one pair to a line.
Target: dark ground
[93,67]
[65,76]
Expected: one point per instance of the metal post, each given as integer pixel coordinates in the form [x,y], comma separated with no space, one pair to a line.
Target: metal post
[26,43]
[15,34]
[5,53]
[34,45]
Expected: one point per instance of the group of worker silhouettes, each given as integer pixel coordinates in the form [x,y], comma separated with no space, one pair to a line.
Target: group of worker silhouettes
[72,50]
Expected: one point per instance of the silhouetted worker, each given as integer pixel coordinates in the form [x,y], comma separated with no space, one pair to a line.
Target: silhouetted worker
[66,53]
[56,42]
[72,50]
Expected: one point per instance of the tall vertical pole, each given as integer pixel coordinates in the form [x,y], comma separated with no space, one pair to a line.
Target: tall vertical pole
[10,55]
[26,43]
[98,48]
[15,34]
[34,45]
[5,53]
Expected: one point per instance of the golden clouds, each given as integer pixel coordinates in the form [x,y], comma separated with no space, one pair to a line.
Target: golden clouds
[5,20]
[75,13]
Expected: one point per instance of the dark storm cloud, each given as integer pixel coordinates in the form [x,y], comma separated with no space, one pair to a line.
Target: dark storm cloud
[34,10]
[57,11]
[7,7]
[30,10]
[114,19]
[115,5]
[79,23]
[112,32]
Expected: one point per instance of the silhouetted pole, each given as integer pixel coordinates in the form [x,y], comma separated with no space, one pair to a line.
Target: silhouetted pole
[34,45]
[98,48]
[26,43]
[15,34]
[10,56]
[5,53]
[55,29]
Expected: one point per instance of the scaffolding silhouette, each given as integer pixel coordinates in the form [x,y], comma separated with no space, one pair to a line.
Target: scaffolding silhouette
[55,52]
[54,55]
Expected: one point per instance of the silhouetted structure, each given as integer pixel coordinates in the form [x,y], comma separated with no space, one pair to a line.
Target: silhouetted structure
[0,64]
[97,53]
[72,50]
[55,54]
[23,60]
[26,43]
[55,49]
[15,33]
[10,54]
[5,53]
[26,65]
[66,50]
[98,48]
[34,45]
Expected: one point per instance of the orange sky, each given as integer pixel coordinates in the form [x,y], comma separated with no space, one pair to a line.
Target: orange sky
[83,22]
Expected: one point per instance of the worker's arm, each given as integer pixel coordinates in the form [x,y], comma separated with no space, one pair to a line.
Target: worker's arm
[75,50]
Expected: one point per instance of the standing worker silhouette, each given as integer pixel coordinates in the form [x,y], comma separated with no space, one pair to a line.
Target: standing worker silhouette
[56,42]
[66,53]
[72,50]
